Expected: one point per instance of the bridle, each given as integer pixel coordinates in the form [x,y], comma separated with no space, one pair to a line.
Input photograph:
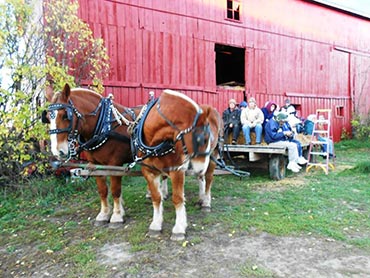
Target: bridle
[70,109]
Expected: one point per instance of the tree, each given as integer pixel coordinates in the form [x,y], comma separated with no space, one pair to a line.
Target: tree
[42,46]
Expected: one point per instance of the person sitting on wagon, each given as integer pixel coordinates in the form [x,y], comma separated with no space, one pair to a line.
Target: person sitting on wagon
[276,136]
[287,127]
[268,111]
[231,118]
[252,119]
[288,107]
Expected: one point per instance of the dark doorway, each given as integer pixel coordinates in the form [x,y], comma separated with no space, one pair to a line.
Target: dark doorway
[230,65]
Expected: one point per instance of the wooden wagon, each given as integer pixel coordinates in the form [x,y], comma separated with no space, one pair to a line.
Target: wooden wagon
[272,157]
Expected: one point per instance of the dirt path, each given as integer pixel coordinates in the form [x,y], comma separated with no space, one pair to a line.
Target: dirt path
[225,255]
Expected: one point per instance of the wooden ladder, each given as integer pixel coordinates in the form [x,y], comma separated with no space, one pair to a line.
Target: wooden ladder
[322,129]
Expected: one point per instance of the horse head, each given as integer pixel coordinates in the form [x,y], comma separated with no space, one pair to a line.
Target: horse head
[65,113]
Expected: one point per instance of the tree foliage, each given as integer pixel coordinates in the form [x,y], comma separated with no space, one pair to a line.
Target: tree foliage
[40,46]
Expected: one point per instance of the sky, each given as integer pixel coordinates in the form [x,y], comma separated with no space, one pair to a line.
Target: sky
[361,7]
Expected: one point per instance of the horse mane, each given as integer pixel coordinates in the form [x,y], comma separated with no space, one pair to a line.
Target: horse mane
[85,90]
[181,95]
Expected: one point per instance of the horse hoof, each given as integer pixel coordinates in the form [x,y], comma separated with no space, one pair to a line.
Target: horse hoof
[177,236]
[206,209]
[100,223]
[116,225]
[154,234]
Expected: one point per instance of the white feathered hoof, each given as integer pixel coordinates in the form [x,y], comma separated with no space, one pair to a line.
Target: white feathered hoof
[206,209]
[177,236]
[100,223]
[154,234]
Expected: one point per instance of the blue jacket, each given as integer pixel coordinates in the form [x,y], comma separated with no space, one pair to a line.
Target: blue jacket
[273,132]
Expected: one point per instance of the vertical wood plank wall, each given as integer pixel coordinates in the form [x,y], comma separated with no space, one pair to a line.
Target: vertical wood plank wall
[316,56]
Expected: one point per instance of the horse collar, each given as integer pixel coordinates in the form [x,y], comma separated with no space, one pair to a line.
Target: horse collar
[102,129]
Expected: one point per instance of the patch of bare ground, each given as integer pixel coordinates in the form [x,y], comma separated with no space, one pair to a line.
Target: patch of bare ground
[231,255]
[209,252]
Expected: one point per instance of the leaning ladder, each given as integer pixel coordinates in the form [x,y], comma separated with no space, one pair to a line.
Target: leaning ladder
[323,118]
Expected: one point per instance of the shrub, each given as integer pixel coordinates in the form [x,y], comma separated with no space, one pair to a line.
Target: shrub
[361,127]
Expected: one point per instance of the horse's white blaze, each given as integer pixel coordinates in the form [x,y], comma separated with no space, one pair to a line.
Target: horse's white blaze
[57,147]
[178,94]
[53,137]
[181,221]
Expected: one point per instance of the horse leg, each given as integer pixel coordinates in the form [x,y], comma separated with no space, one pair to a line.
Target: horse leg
[178,199]
[103,217]
[163,189]
[155,227]
[205,184]
[118,211]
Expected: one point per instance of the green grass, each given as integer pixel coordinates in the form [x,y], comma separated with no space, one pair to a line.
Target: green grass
[55,218]
[252,270]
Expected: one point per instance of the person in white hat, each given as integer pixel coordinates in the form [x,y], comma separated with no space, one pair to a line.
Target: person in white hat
[276,136]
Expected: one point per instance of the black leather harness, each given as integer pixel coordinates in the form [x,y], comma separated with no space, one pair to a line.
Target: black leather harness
[200,137]
[103,130]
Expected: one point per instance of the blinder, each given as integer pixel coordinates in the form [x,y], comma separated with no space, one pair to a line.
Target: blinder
[200,136]
[44,119]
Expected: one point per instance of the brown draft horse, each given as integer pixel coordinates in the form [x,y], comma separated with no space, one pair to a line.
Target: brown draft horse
[81,119]
[174,135]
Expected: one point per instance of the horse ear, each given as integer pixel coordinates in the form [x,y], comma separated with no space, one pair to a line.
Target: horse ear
[49,93]
[66,91]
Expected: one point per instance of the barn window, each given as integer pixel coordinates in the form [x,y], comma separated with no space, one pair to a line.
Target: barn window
[233,9]
[339,111]
[230,64]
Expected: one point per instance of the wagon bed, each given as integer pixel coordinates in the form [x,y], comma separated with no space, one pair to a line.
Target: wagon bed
[248,156]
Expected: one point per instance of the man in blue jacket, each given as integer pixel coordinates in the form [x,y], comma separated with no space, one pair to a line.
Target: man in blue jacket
[276,136]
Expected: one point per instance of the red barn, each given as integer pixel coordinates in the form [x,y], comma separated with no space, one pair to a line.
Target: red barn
[316,55]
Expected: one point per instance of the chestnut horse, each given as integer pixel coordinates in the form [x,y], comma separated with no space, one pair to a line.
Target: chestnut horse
[81,119]
[176,134]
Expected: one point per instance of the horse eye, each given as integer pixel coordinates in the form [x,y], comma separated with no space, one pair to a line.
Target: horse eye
[65,117]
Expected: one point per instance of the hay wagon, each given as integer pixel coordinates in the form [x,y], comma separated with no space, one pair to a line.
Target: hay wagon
[252,156]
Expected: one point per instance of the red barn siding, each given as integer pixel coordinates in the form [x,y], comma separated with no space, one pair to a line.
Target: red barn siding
[319,58]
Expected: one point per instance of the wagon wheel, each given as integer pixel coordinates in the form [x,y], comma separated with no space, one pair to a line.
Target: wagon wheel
[277,167]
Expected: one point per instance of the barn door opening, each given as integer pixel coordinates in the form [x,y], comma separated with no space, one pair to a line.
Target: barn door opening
[230,66]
